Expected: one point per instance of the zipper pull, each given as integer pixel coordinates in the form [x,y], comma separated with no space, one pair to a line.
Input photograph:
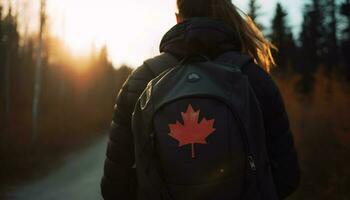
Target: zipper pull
[251,163]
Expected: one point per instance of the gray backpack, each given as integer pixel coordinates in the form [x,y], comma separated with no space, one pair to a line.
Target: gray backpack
[199,134]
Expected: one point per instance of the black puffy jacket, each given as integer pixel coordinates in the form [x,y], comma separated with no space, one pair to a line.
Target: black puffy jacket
[211,38]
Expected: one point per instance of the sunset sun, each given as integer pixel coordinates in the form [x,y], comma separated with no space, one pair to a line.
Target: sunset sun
[131,30]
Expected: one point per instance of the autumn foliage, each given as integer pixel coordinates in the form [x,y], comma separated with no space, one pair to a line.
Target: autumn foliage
[320,124]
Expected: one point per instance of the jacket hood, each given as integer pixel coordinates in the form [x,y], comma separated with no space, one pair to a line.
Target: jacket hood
[200,36]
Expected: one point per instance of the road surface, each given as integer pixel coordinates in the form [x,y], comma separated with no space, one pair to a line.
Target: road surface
[77,179]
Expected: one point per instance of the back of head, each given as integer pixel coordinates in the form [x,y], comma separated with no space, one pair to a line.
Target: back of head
[251,38]
[194,8]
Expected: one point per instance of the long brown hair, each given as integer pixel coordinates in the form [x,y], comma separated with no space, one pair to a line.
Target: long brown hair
[252,39]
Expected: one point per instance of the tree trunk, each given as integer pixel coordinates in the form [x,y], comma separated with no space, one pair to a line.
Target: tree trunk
[7,84]
[38,76]
[333,35]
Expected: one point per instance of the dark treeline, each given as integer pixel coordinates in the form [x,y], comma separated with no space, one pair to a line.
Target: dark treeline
[323,41]
[75,104]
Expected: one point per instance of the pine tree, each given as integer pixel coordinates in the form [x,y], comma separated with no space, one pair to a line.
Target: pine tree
[345,39]
[312,33]
[2,59]
[282,37]
[38,72]
[11,43]
[346,12]
[331,53]
[312,44]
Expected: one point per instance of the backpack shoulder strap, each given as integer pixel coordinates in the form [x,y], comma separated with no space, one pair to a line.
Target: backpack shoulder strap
[236,58]
[161,63]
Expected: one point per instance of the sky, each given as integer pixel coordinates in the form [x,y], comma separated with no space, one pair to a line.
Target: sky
[131,29]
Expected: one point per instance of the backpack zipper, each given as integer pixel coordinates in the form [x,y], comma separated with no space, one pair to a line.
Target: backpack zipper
[252,163]
[250,157]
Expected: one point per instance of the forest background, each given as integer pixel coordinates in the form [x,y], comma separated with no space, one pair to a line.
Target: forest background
[53,102]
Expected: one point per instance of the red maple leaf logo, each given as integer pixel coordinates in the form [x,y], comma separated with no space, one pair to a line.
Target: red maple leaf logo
[191,131]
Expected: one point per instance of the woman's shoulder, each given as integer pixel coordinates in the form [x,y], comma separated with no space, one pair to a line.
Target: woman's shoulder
[260,80]
[154,66]
[140,76]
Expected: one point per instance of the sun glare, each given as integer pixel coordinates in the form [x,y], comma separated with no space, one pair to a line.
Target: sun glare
[130,29]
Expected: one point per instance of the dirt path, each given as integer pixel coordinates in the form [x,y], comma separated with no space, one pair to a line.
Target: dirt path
[77,179]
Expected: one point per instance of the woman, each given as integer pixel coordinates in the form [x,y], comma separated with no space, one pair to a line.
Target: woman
[210,28]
